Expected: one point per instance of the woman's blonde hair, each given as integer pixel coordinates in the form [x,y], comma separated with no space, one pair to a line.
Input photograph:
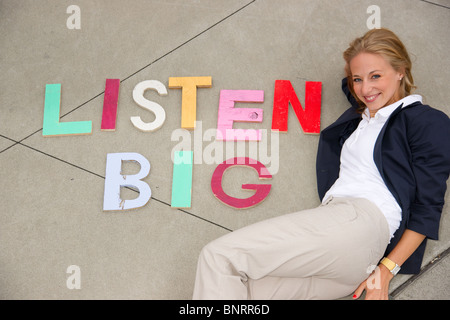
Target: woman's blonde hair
[385,43]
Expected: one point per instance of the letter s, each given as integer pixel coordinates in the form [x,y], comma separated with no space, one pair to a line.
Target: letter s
[138,96]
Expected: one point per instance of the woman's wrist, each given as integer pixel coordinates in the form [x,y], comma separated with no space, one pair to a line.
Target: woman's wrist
[385,272]
[391,265]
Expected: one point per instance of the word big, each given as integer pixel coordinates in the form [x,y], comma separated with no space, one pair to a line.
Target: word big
[181,184]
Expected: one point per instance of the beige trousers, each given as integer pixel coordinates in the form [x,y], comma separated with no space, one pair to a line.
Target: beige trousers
[322,253]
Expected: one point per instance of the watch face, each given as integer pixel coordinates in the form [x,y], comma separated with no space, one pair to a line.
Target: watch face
[395,270]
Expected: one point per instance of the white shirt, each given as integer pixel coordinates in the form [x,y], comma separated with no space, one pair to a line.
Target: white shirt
[359,176]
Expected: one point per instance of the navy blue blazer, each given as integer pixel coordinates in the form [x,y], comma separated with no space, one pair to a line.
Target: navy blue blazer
[412,154]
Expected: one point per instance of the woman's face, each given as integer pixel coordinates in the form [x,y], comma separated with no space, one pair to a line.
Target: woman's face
[375,81]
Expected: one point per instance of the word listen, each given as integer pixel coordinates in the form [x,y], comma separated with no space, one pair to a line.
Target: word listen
[284,95]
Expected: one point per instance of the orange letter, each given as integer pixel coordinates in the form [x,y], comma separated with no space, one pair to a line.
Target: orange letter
[189,87]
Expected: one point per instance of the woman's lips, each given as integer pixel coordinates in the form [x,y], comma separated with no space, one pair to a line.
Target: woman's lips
[372,98]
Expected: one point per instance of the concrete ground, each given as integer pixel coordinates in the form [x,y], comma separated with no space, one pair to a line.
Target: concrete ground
[54,234]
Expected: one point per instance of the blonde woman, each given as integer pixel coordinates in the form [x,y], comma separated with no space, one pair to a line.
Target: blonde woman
[382,169]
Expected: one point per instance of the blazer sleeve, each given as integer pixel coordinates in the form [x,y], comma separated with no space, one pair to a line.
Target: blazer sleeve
[430,149]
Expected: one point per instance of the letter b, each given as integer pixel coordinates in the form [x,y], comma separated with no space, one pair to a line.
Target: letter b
[114,180]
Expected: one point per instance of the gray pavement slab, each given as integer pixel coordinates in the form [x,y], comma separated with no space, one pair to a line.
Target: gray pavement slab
[440,3]
[54,186]
[142,254]
[432,285]
[5,143]
[115,40]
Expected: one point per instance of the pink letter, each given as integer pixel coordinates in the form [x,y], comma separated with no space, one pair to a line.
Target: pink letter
[110,105]
[262,190]
[228,114]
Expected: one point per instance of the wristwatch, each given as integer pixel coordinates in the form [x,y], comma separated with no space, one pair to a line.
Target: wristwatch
[391,265]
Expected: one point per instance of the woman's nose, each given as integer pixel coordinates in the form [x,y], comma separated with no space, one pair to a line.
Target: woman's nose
[366,88]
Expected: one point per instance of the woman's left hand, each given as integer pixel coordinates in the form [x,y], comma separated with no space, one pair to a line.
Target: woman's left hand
[376,285]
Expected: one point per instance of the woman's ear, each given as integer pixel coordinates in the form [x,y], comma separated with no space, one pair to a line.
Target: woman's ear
[401,74]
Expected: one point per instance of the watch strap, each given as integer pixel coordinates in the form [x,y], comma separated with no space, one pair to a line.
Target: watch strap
[391,265]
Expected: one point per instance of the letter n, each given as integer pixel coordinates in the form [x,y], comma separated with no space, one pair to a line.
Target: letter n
[309,118]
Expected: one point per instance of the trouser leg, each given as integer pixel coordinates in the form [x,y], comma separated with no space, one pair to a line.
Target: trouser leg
[320,253]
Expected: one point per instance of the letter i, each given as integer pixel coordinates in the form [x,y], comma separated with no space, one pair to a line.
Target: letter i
[110,105]
[182,179]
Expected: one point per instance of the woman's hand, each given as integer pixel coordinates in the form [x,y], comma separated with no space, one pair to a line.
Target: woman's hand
[376,285]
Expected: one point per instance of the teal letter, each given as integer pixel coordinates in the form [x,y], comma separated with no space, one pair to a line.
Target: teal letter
[182,179]
[52,126]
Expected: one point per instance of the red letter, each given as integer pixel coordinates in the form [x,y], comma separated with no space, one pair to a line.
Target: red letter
[309,118]
[262,190]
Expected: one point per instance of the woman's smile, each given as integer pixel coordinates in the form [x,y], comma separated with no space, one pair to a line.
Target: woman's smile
[372,98]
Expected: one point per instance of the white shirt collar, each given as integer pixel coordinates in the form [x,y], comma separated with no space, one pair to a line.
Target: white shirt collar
[385,112]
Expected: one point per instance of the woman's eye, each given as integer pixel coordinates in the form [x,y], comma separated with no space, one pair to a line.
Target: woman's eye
[375,76]
[357,80]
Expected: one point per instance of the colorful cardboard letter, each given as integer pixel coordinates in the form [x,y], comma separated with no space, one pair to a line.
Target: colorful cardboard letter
[160,114]
[228,114]
[114,180]
[182,179]
[110,105]
[51,124]
[262,190]
[189,87]
[309,118]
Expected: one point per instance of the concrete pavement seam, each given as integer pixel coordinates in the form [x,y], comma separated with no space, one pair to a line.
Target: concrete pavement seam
[126,78]
[436,4]
[100,176]
[434,262]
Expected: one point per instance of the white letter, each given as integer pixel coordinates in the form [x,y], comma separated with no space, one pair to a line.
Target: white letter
[114,180]
[160,114]
[374,21]
[74,21]
[74,281]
